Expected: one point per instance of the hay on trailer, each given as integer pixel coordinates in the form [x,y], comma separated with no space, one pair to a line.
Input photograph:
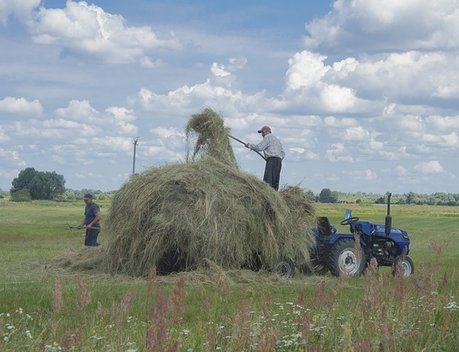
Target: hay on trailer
[180,217]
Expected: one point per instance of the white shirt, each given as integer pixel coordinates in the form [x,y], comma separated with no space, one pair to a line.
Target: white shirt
[270,146]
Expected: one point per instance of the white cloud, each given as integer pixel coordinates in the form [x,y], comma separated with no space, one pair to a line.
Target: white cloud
[21,9]
[3,136]
[312,84]
[410,74]
[238,62]
[429,167]
[90,30]
[166,132]
[357,133]
[121,114]
[401,171]
[301,153]
[146,62]
[79,110]
[189,99]
[306,70]
[20,106]
[337,152]
[219,70]
[386,25]
[366,174]
[332,121]
[336,98]
[443,123]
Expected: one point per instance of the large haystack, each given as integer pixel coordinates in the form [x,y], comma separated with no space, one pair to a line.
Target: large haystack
[182,216]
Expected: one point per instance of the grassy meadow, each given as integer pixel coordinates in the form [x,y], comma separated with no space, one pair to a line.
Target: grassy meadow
[46,307]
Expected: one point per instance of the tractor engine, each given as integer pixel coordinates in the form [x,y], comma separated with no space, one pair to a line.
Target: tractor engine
[384,251]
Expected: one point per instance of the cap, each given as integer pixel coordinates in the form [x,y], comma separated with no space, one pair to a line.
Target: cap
[88,195]
[265,128]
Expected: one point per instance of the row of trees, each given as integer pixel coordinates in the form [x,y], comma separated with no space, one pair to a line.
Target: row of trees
[439,198]
[32,184]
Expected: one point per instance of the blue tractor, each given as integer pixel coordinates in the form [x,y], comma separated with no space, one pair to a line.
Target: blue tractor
[348,254]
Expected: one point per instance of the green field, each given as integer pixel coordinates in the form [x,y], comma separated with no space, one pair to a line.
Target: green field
[45,307]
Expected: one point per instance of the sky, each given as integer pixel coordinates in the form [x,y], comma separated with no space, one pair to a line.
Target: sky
[363,94]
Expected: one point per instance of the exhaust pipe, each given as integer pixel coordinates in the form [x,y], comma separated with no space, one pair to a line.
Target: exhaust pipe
[388,223]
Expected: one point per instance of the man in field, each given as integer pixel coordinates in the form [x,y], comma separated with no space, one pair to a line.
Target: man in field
[274,153]
[91,221]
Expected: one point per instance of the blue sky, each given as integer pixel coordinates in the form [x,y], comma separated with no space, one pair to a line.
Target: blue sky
[364,95]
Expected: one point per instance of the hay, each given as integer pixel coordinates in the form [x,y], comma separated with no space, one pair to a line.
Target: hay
[212,137]
[183,216]
[179,216]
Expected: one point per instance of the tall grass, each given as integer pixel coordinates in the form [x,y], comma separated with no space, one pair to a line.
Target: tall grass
[49,309]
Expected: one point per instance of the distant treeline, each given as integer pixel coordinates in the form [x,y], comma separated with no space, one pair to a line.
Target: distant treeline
[325,196]
[438,198]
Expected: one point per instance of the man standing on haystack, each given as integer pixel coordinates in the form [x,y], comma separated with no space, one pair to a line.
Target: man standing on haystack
[274,153]
[91,221]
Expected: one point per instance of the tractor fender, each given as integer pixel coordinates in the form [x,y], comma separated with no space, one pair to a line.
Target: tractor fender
[339,236]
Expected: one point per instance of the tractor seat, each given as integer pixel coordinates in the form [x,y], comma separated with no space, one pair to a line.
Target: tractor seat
[324,227]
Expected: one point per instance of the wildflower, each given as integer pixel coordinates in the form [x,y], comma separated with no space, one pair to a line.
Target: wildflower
[452,305]
[28,334]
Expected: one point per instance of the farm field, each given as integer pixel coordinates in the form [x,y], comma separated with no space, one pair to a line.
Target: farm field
[46,307]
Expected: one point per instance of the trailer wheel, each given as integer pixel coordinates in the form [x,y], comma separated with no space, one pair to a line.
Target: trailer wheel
[285,268]
[404,264]
[346,259]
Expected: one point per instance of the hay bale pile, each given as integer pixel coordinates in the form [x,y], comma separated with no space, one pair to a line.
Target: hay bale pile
[180,217]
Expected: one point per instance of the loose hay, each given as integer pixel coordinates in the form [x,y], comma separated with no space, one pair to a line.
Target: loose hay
[212,137]
[179,217]
[184,216]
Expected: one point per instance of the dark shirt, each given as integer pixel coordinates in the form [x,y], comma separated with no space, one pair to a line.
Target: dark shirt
[90,212]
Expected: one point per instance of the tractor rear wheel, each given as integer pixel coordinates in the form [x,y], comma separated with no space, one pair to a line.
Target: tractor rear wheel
[346,259]
[404,264]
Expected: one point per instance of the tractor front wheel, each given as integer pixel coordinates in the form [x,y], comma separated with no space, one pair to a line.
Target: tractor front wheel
[404,264]
[346,259]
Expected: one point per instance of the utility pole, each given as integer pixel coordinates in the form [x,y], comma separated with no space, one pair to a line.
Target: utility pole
[133,159]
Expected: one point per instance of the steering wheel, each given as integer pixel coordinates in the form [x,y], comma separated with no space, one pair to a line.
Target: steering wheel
[350,220]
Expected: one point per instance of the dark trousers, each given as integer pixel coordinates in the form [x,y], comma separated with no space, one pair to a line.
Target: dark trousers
[272,172]
[91,237]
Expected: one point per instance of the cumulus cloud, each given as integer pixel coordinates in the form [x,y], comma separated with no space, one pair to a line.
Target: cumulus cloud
[189,99]
[429,167]
[79,110]
[369,25]
[313,84]
[20,106]
[89,30]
